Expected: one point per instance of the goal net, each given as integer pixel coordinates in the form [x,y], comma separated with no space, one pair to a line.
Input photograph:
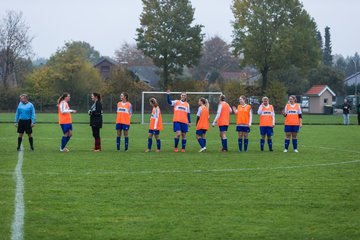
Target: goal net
[167,110]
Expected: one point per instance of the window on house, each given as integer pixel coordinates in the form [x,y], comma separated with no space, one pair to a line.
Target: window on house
[325,100]
[105,69]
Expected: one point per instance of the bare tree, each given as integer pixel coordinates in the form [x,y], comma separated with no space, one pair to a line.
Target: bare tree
[15,44]
[129,54]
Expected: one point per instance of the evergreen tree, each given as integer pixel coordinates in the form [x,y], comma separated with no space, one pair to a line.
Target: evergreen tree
[327,57]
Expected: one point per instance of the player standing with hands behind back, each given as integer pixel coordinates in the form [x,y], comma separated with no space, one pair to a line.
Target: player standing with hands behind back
[123,116]
[155,125]
[25,120]
[293,123]
[181,120]
[267,123]
[243,122]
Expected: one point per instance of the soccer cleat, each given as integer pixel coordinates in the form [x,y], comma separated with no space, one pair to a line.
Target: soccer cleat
[147,150]
[157,150]
[271,150]
[295,150]
[223,150]
[182,150]
[176,150]
[285,150]
[97,150]
[202,149]
[64,150]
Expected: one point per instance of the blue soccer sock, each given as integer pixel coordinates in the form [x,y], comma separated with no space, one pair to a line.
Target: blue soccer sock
[204,140]
[158,144]
[246,143]
[149,143]
[200,142]
[176,141]
[262,143]
[126,143]
[269,141]
[240,144]
[287,143]
[118,143]
[295,143]
[67,139]
[224,144]
[183,143]
[63,142]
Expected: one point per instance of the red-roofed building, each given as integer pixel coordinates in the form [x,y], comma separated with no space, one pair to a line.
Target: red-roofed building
[320,98]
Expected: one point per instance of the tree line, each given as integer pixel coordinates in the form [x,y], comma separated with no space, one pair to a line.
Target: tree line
[277,40]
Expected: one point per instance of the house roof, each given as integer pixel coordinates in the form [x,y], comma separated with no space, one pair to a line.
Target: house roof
[353,79]
[148,74]
[318,90]
[106,59]
[352,76]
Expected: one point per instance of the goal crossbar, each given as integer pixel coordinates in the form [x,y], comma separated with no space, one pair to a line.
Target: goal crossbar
[150,92]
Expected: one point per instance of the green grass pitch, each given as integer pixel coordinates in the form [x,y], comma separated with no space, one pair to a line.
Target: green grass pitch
[314,194]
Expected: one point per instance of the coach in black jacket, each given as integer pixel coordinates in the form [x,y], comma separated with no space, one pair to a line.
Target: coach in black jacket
[96,121]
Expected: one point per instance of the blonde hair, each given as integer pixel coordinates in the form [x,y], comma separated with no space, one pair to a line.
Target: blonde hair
[293,97]
[205,102]
[153,102]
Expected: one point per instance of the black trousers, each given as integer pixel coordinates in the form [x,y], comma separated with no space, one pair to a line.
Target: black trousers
[96,132]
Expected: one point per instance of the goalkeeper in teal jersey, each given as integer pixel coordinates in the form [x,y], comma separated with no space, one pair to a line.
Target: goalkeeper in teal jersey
[25,120]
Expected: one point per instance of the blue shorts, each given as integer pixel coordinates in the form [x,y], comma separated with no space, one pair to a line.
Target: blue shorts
[223,128]
[269,131]
[154,132]
[66,127]
[290,128]
[124,127]
[242,129]
[183,127]
[201,132]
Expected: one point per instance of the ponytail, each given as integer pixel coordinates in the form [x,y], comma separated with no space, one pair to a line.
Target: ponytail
[62,97]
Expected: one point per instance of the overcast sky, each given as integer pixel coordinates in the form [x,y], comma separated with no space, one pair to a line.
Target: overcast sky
[107,24]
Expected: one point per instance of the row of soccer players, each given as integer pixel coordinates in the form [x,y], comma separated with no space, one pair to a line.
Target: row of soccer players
[25,120]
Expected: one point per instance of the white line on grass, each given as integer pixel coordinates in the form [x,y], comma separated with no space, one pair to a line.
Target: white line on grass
[18,221]
[193,171]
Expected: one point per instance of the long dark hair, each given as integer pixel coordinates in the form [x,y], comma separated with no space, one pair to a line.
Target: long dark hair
[97,95]
[62,97]
[126,95]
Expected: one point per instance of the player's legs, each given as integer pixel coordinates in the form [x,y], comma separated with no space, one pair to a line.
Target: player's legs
[150,135]
[158,141]
[96,135]
[240,140]
[287,140]
[177,130]
[269,138]
[118,138]
[183,141]
[126,136]
[223,130]
[246,140]
[294,140]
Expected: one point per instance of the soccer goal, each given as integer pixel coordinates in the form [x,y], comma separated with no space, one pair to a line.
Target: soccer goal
[167,110]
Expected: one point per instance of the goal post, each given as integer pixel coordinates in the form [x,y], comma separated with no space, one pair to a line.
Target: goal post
[146,95]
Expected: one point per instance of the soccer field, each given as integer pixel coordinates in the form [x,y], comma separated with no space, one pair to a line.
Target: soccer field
[314,194]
